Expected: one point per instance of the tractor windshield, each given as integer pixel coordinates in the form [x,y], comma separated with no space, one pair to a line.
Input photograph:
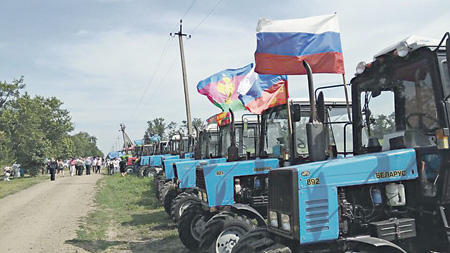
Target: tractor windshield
[397,103]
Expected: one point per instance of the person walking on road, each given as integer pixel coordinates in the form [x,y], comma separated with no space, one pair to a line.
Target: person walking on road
[72,164]
[99,164]
[123,165]
[88,163]
[79,166]
[52,166]
[61,167]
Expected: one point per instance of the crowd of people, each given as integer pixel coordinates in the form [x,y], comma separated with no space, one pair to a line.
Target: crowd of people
[75,166]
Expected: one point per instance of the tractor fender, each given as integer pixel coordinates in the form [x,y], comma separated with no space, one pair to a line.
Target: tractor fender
[249,212]
[375,241]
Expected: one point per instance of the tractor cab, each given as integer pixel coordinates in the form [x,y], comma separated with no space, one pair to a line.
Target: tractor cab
[277,142]
[392,194]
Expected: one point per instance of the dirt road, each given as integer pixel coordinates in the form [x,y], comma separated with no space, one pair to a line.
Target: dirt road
[43,217]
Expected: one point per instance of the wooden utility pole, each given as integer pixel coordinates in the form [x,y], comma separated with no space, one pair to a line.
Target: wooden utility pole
[180,35]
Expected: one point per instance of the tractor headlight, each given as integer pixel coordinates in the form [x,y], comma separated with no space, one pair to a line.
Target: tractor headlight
[200,195]
[402,49]
[273,218]
[360,67]
[285,222]
[205,197]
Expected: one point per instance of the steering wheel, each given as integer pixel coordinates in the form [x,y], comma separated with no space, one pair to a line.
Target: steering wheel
[422,126]
[301,143]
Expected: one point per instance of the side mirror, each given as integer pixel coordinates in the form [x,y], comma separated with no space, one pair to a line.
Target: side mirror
[296,113]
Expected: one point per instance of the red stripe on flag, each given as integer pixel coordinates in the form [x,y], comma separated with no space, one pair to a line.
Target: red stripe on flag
[272,64]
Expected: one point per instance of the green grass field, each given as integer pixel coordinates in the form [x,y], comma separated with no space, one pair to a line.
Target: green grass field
[15,185]
[127,217]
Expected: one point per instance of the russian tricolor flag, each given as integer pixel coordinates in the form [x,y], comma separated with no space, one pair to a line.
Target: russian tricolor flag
[282,45]
[259,92]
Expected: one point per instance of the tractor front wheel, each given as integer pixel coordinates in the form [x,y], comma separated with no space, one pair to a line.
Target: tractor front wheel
[244,244]
[180,203]
[223,232]
[192,224]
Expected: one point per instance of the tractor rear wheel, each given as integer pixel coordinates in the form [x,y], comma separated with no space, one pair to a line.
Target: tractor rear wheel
[180,203]
[223,232]
[192,224]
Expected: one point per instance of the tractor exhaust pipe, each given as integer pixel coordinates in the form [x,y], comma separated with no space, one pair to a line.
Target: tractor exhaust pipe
[233,153]
[314,128]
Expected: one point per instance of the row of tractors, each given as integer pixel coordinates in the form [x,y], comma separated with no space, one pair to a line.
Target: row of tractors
[324,175]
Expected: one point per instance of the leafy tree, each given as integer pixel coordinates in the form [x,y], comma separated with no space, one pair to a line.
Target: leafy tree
[156,126]
[382,125]
[9,90]
[85,145]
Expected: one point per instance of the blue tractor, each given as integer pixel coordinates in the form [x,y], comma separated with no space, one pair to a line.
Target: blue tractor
[392,194]
[234,195]
[180,190]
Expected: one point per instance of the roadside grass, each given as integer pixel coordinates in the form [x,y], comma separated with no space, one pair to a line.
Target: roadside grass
[18,184]
[127,217]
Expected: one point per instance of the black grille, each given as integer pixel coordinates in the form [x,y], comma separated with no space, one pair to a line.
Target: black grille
[281,191]
[200,179]
[259,201]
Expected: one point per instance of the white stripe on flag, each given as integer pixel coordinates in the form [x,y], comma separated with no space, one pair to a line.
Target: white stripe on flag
[316,25]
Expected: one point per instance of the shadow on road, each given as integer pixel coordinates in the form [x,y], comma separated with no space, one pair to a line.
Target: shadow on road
[152,245]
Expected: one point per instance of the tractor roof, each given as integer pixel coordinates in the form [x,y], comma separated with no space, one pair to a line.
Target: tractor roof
[414,42]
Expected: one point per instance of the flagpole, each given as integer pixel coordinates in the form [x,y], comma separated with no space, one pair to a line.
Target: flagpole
[291,135]
[346,99]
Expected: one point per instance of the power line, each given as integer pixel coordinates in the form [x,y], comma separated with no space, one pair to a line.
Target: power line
[173,62]
[213,9]
[163,54]
[166,47]
[190,7]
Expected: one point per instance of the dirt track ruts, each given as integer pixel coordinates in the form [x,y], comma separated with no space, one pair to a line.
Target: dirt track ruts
[42,217]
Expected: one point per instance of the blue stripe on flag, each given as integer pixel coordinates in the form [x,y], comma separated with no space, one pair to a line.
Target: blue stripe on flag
[298,44]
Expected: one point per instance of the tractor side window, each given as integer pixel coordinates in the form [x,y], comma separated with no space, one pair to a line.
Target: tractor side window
[248,144]
[276,140]
[379,117]
[300,134]
[445,75]
[336,117]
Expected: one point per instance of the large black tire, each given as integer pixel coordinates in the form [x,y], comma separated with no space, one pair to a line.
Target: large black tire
[165,188]
[170,195]
[158,182]
[129,169]
[143,170]
[191,225]
[223,231]
[244,243]
[180,203]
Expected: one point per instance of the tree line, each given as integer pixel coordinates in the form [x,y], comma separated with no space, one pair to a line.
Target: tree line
[167,130]
[35,128]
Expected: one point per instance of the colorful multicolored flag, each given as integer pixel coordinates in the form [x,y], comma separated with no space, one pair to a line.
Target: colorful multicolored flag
[221,119]
[282,45]
[221,88]
[259,92]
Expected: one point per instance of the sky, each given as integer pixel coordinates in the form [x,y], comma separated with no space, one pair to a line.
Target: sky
[113,61]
